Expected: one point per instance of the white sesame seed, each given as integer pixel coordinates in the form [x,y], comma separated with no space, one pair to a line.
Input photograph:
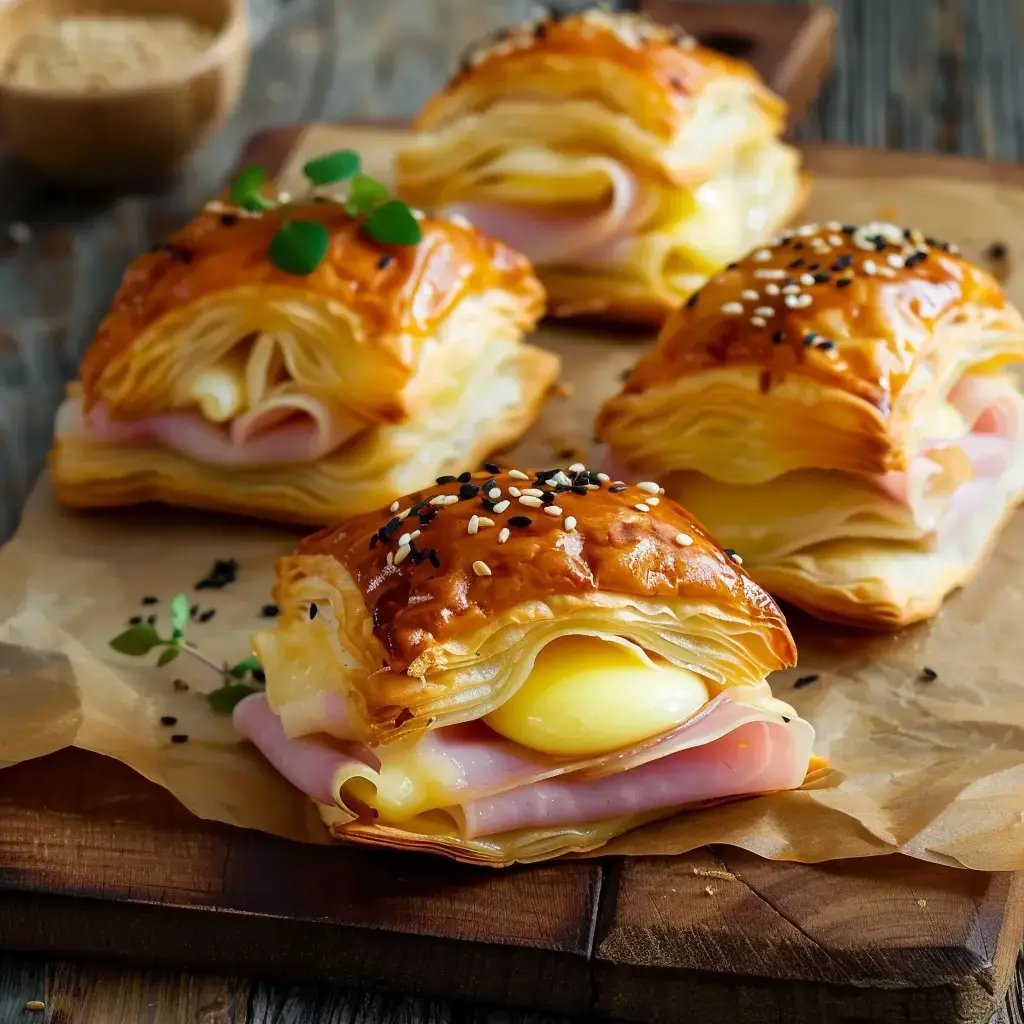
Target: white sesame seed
[793,300]
[661,490]
[517,474]
[481,568]
[553,510]
[894,261]
[536,492]
[648,486]
[393,507]
[515,492]
[560,480]
[684,540]
[404,539]
[439,499]
[803,301]
[762,255]
[806,230]
[414,534]
[749,295]
[769,273]
[529,499]
[504,535]
[732,308]
[833,225]
[501,506]
[451,499]
[653,500]
[570,522]
[953,249]
[736,558]
[771,289]
[603,477]
[494,493]
[869,267]
[577,467]
[641,507]
[835,240]
[886,272]
[764,311]
[758,321]
[791,289]
[391,558]
[473,525]
[460,221]
[806,280]
[402,554]
[484,521]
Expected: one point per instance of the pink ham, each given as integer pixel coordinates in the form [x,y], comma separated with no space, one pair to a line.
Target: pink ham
[283,430]
[549,234]
[755,758]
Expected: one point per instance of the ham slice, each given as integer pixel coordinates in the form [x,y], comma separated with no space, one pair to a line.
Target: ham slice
[729,748]
[282,430]
[550,234]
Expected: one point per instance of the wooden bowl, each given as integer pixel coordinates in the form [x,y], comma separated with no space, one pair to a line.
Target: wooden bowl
[125,133]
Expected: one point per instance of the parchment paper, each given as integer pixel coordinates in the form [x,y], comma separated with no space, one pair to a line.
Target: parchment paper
[933,769]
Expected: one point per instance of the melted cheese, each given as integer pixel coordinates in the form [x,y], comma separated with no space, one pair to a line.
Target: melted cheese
[219,391]
[587,696]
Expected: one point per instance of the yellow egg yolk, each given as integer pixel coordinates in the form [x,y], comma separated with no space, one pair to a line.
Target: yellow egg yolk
[588,696]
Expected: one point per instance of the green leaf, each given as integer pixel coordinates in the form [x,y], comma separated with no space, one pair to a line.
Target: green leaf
[179,614]
[243,668]
[364,194]
[257,203]
[299,247]
[247,184]
[223,701]
[332,167]
[393,224]
[167,656]
[136,641]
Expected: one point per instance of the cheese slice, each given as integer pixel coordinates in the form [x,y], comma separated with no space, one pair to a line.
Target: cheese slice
[588,696]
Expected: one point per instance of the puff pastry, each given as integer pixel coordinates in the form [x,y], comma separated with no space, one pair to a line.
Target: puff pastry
[509,666]
[219,381]
[627,161]
[837,408]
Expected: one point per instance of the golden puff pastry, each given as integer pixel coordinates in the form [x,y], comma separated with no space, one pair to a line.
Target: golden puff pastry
[628,162]
[509,666]
[220,381]
[836,407]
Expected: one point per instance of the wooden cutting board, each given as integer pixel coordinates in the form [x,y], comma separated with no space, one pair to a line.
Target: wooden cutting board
[95,860]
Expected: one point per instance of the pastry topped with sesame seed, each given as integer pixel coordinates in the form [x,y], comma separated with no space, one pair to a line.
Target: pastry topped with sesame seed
[275,358]
[836,406]
[515,664]
[626,160]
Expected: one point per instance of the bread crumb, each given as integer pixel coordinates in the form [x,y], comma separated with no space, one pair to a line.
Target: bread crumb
[922,903]
[709,890]
[713,873]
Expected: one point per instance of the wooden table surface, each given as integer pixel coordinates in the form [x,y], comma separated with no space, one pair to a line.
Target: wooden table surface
[915,74]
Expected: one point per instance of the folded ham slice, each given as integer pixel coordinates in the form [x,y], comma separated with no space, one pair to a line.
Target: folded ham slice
[282,430]
[488,784]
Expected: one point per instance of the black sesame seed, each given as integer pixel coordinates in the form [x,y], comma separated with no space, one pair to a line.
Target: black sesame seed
[732,266]
[149,599]
[805,681]
[151,620]
[731,553]
[259,675]
[617,488]
[880,244]
[312,610]
[809,338]
[520,521]
[931,241]
[389,527]
[193,611]
[467,491]
[373,541]
[224,571]
[179,738]
[434,560]
[168,720]
[787,282]
[814,266]
[798,245]
[135,620]
[464,478]
[844,282]
[270,611]
[208,614]
[384,262]
[778,337]
[914,258]
[548,497]
[929,674]
[822,278]
[848,229]
[578,489]
[842,263]
[692,300]
[229,220]
[824,345]
[446,479]
[488,484]
[426,517]
[796,263]
[490,467]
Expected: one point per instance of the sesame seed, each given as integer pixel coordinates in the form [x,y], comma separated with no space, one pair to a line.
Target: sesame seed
[771,289]
[844,282]
[404,539]
[404,514]
[504,535]
[793,300]
[492,467]
[894,260]
[684,540]
[732,308]
[553,510]
[570,522]
[484,522]
[414,534]
[531,501]
[791,289]
[803,301]
[481,568]
[806,230]
[179,738]
[806,280]
[769,273]
[641,507]
[391,558]
[732,554]
[778,337]
[887,272]
[749,295]
[494,493]
[515,492]
[648,486]
[393,507]
[603,477]
[501,506]
[535,492]
[577,467]
[764,311]
[835,240]
[762,255]
[869,267]
[758,321]
[833,225]
[439,499]
[473,525]
[402,554]
[517,474]
[616,488]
